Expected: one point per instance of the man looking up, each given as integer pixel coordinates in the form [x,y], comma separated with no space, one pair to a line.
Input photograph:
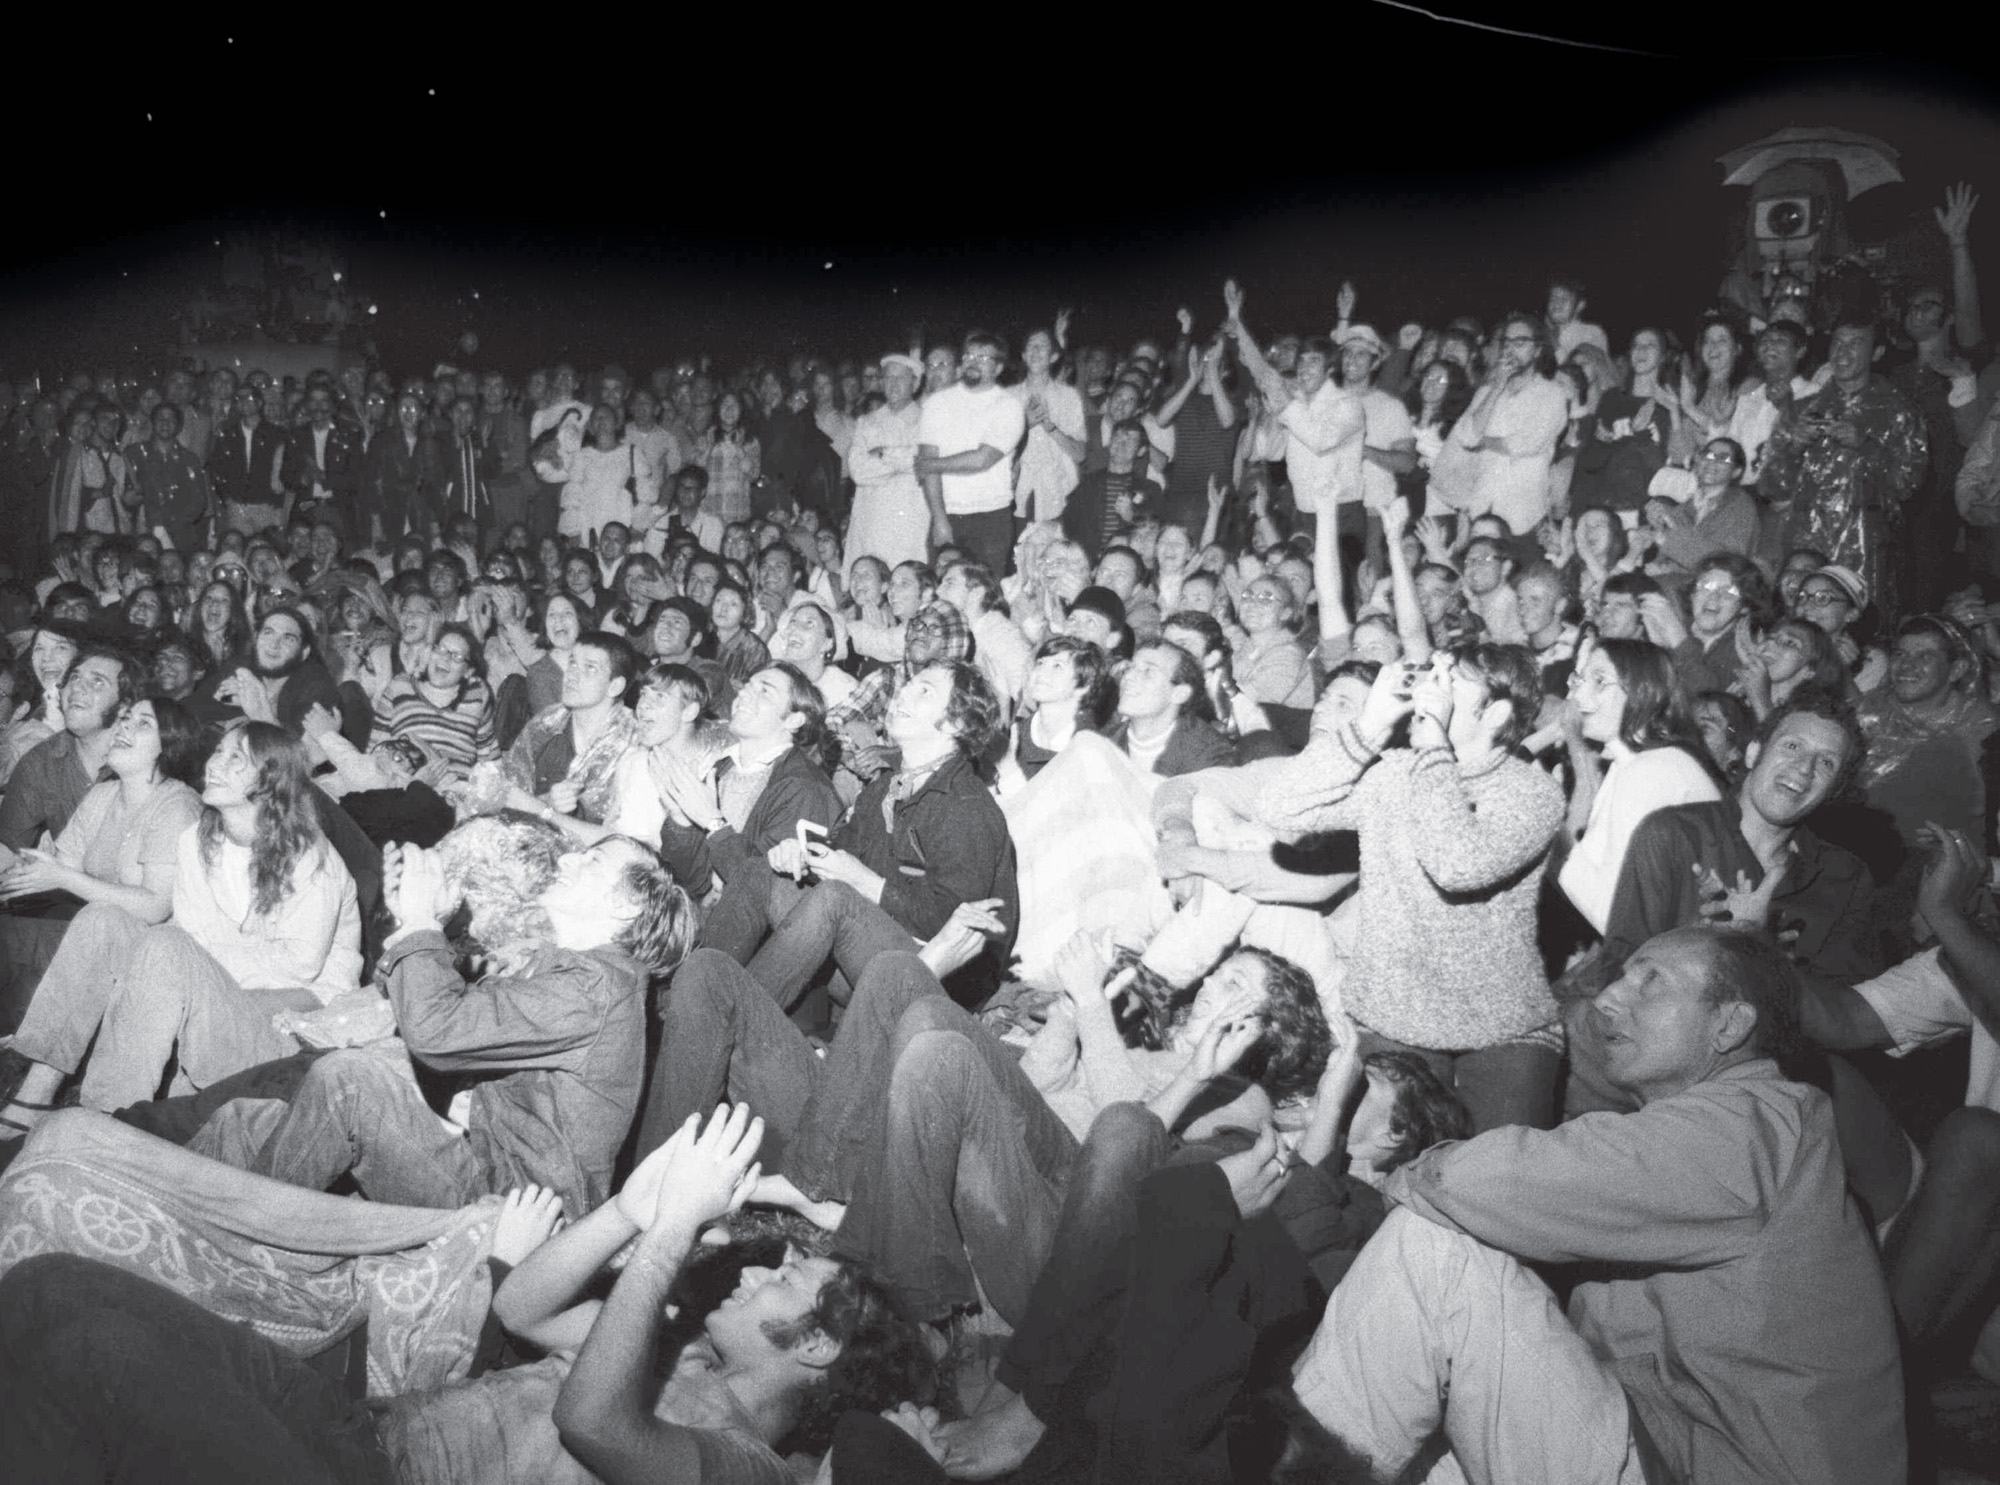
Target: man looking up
[1717,1222]
[966,438]
[566,759]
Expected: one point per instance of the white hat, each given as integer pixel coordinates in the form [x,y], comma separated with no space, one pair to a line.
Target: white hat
[1361,334]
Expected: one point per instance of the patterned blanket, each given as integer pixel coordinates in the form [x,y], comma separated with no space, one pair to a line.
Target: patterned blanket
[1085,854]
[300,1267]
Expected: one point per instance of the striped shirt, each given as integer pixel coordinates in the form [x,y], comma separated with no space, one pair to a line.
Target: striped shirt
[459,734]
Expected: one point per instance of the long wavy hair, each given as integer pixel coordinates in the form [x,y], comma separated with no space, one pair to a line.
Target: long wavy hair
[235,633]
[287,825]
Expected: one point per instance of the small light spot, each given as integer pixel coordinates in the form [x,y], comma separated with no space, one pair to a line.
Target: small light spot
[371,309]
[828,263]
[383,215]
[336,278]
[149,118]
[434,92]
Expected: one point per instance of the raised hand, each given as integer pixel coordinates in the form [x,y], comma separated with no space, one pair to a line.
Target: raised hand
[1228,1038]
[1954,218]
[1232,301]
[1395,519]
[1344,302]
[1081,965]
[1410,336]
[1390,699]
[1186,318]
[712,1172]
[1955,871]
[1062,327]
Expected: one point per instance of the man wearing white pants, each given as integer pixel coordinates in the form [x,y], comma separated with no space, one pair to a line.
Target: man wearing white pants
[1731,1323]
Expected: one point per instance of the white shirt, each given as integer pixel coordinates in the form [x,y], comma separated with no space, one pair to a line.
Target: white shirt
[311,940]
[1921,1007]
[1047,474]
[958,420]
[1531,414]
[1632,788]
[1756,418]
[1388,424]
[1325,436]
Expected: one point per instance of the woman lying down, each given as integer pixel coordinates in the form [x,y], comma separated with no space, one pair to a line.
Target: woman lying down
[114,1377]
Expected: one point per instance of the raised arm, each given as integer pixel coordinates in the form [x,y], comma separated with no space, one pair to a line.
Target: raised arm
[1410,625]
[1954,219]
[1333,621]
[604,1412]
[1266,376]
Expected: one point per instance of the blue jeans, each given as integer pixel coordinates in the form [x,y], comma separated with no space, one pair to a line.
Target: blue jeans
[113,1379]
[963,1167]
[354,1111]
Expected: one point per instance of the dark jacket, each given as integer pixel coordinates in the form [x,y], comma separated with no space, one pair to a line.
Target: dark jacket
[949,845]
[341,474]
[1825,895]
[235,477]
[1191,747]
[797,789]
[1083,513]
[555,1056]
[402,485]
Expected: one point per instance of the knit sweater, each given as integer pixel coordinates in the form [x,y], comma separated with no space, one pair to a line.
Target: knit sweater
[1451,870]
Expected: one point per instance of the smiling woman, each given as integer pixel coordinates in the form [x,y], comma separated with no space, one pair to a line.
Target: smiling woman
[265,919]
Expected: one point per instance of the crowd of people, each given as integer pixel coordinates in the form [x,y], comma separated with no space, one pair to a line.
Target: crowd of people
[1261,906]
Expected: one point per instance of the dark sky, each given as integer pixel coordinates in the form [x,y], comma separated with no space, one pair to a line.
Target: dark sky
[633,192]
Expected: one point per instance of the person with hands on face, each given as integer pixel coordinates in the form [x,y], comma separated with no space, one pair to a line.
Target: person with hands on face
[1455,831]
[547,1061]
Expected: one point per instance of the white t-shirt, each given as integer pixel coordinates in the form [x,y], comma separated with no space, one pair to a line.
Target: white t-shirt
[958,420]
[1921,1007]
[1388,424]
[1632,788]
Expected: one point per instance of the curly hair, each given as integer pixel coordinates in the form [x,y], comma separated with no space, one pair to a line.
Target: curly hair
[1423,1112]
[287,827]
[1291,1052]
[883,1360]
[972,714]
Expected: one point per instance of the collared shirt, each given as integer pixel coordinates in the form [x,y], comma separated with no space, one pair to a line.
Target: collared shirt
[1825,893]
[1734,1290]
[43,792]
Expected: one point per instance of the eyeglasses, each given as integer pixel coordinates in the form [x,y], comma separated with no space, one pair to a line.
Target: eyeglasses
[1485,559]
[1261,596]
[1519,339]
[1717,456]
[1821,598]
[453,657]
[1719,588]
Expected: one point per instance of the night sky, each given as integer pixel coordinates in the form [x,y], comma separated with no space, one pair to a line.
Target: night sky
[635,189]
